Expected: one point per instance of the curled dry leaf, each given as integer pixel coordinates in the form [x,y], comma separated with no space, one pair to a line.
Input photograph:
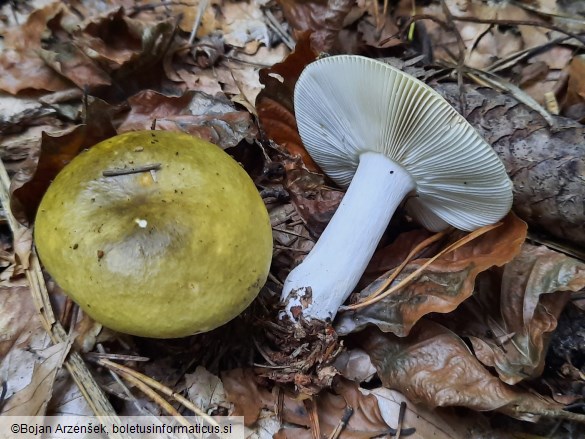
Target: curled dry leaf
[442,286]
[434,366]
[21,66]
[33,399]
[323,17]
[249,399]
[52,154]
[516,309]
[355,365]
[196,113]
[274,104]
[18,321]
[111,47]
[205,390]
[27,366]
[23,240]
[436,423]
[291,237]
[574,102]
[66,58]
[392,255]
[314,201]
[365,422]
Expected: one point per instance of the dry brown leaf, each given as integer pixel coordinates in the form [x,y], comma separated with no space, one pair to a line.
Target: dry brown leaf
[366,420]
[27,365]
[249,399]
[205,390]
[574,102]
[53,153]
[516,309]
[313,199]
[380,36]
[274,103]
[127,48]
[392,255]
[196,113]
[243,23]
[23,240]
[21,66]
[33,399]
[355,365]
[434,366]
[435,423]
[323,17]
[17,319]
[442,286]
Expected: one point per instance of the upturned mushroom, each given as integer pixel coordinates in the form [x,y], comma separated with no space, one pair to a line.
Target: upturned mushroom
[386,137]
[156,234]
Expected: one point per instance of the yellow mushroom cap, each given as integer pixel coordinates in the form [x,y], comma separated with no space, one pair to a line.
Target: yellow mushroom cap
[155,234]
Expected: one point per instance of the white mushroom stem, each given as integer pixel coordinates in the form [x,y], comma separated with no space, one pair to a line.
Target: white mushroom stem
[330,272]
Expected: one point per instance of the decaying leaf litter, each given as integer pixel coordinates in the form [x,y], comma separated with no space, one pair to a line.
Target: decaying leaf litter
[78,72]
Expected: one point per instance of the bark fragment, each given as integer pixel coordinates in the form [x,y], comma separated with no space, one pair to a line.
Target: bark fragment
[546,163]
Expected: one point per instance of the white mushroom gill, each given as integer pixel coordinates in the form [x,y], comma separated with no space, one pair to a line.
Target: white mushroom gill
[360,116]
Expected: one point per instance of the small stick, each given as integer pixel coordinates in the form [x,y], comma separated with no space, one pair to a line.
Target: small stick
[461,242]
[153,384]
[136,170]
[342,423]
[95,356]
[3,392]
[400,419]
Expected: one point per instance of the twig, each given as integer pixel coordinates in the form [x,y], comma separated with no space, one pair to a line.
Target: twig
[555,15]
[288,232]
[127,393]
[200,10]
[461,242]
[274,24]
[93,394]
[148,391]
[413,253]
[282,247]
[95,356]
[401,413]
[280,405]
[516,57]
[460,56]
[137,9]
[311,407]
[578,37]
[135,170]
[153,384]
[496,82]
[3,394]
[274,279]
[262,352]
[347,413]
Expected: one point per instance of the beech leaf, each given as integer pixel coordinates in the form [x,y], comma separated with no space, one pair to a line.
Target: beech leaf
[274,104]
[197,113]
[516,309]
[54,152]
[442,286]
[435,367]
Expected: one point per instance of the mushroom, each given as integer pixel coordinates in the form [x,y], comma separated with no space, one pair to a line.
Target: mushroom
[156,234]
[394,139]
